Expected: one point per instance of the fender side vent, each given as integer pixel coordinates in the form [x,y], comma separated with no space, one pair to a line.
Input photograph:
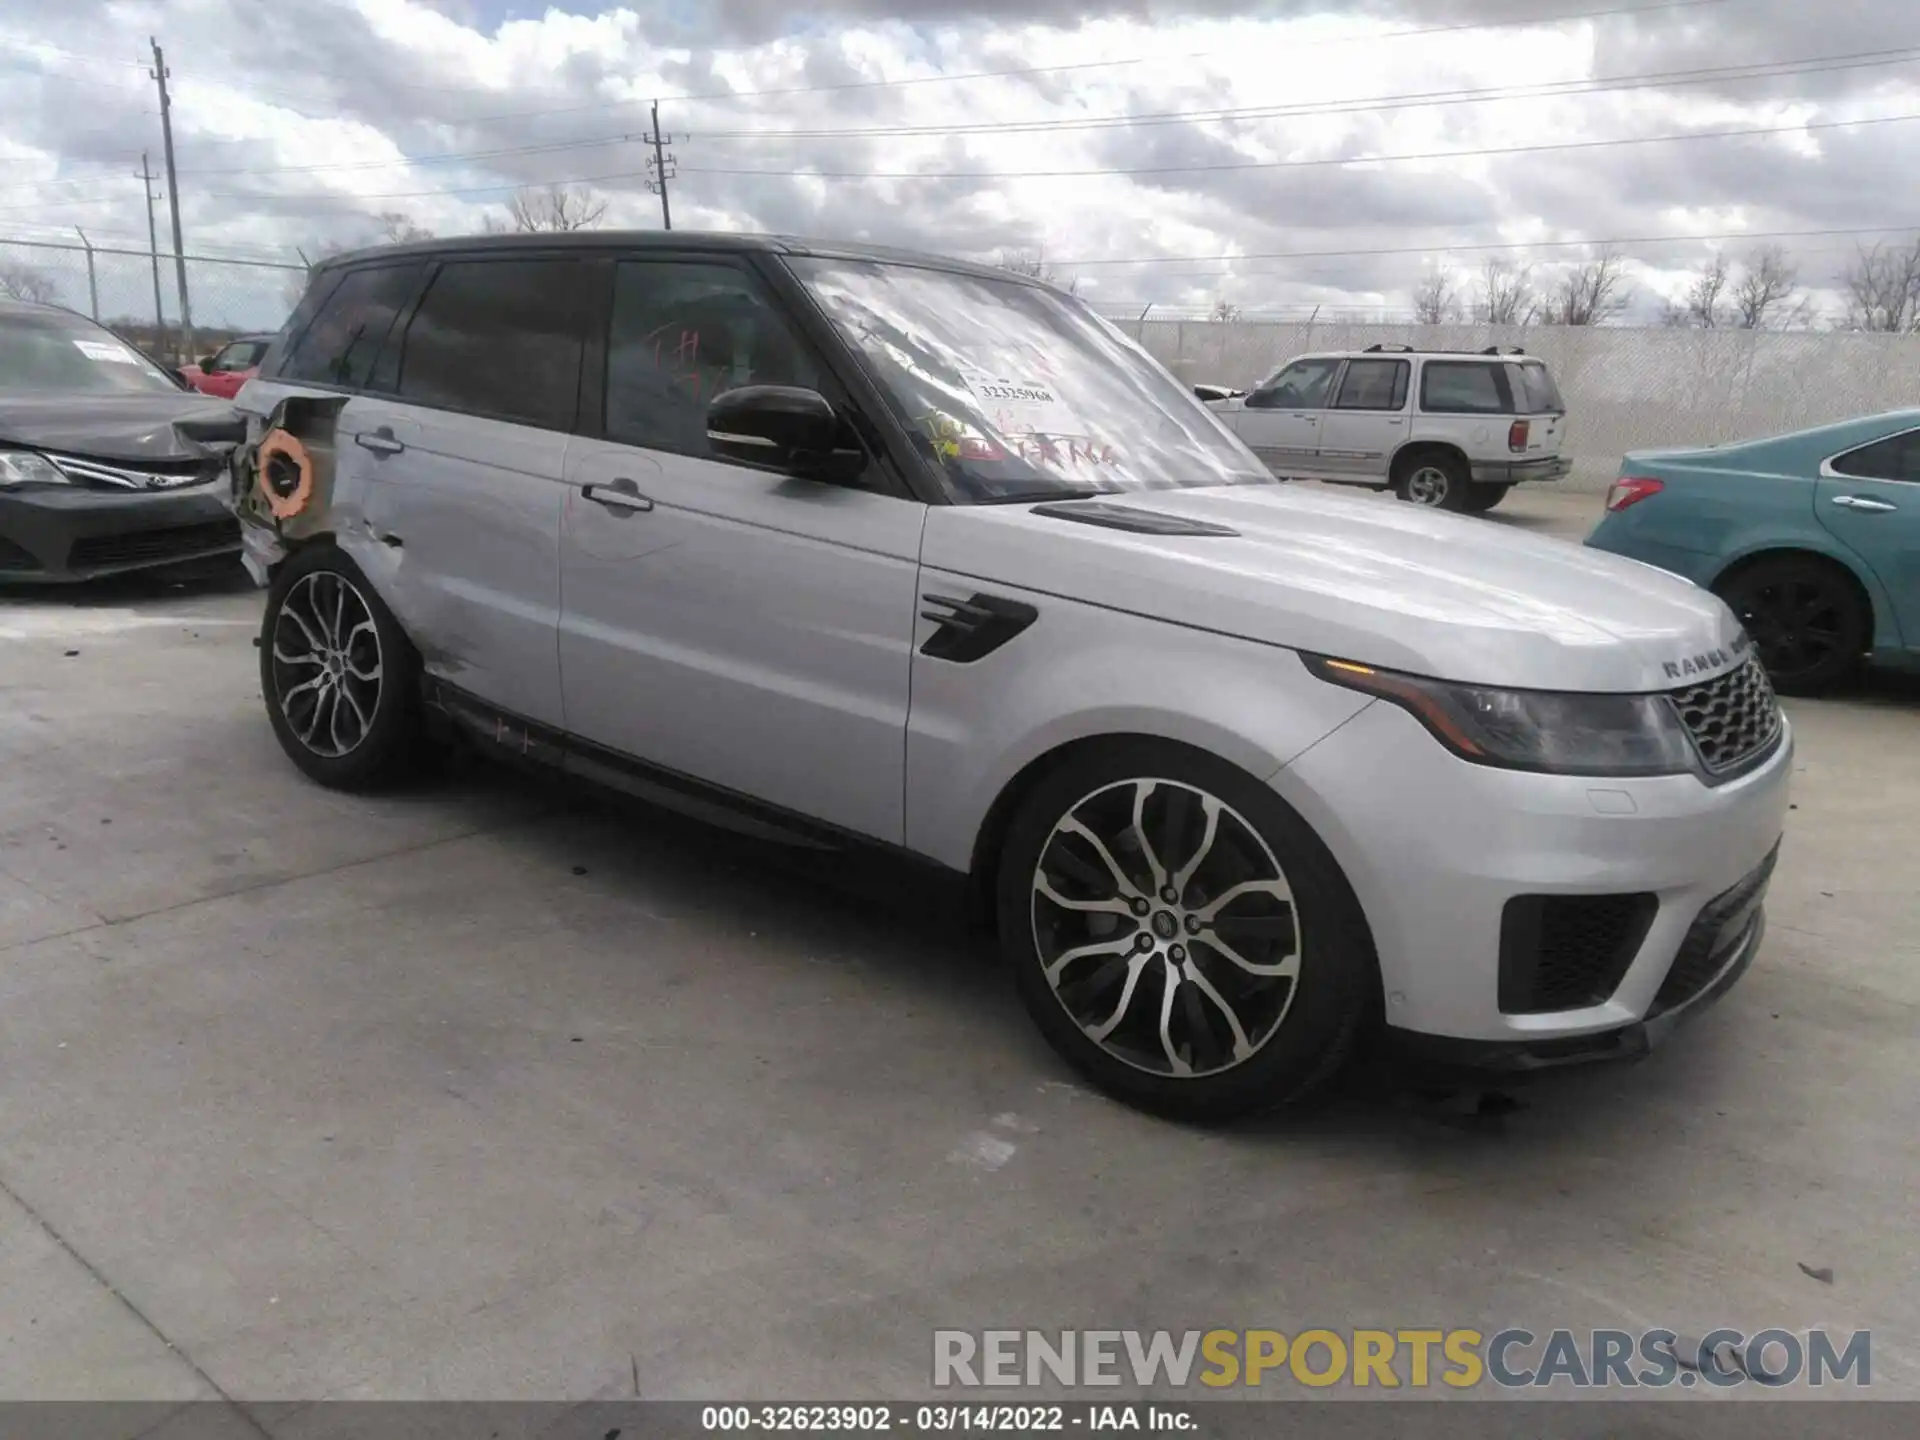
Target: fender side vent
[1125,517]
[973,628]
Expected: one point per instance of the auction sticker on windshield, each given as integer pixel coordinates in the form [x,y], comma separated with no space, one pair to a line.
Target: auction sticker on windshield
[112,354]
[1017,406]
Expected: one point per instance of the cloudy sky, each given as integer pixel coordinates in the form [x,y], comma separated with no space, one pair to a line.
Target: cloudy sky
[1282,156]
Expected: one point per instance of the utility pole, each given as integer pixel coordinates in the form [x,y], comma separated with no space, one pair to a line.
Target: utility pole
[93,282]
[153,250]
[662,167]
[173,196]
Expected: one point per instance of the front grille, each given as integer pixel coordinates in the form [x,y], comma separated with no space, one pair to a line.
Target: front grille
[1715,937]
[1566,952]
[178,542]
[13,558]
[1733,718]
[149,475]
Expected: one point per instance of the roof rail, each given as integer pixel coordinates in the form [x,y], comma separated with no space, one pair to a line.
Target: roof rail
[1503,350]
[1383,349]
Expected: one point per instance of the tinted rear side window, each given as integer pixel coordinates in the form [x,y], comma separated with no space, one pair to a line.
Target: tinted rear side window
[1457,387]
[1535,391]
[500,338]
[1895,458]
[339,347]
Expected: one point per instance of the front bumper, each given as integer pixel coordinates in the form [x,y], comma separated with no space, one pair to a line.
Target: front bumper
[1517,472]
[64,533]
[1436,848]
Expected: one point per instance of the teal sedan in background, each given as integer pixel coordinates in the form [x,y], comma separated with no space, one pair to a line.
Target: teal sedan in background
[1813,539]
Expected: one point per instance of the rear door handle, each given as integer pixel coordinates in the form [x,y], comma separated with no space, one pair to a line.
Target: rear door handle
[381,441]
[620,495]
[1861,502]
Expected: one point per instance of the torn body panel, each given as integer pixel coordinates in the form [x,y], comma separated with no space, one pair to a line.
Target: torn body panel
[454,519]
[283,479]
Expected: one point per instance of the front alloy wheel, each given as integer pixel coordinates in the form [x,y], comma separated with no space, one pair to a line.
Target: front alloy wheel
[1165,928]
[1179,933]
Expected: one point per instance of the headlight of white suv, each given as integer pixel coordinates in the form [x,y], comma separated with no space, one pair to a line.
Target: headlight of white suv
[23,467]
[1543,730]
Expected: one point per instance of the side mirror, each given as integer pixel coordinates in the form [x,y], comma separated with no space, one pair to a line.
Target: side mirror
[205,362]
[780,426]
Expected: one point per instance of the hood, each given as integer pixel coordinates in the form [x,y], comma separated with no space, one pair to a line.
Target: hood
[129,428]
[1356,578]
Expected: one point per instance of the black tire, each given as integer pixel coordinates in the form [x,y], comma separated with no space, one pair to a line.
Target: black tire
[1482,498]
[1298,1029]
[1435,478]
[338,750]
[1810,624]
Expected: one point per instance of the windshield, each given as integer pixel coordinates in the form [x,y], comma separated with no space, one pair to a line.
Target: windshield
[45,352]
[1019,393]
[1538,394]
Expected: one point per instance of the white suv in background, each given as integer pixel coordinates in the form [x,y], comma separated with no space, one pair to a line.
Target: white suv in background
[1437,427]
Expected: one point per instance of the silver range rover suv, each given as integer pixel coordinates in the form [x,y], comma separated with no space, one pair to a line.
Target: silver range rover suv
[862,547]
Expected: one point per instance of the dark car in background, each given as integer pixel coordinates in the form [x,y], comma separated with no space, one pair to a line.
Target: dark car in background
[107,462]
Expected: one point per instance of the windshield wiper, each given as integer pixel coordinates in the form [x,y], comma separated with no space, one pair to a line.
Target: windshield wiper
[1036,493]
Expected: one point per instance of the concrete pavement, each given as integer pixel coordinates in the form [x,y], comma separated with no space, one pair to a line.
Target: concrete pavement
[488,1090]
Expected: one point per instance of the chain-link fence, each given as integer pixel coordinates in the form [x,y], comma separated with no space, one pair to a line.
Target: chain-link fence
[1625,389]
[114,284]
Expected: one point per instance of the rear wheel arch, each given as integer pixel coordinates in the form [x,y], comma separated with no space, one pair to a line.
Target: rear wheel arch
[1414,450]
[1736,568]
[1836,652]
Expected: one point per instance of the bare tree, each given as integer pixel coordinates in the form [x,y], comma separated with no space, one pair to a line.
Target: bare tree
[1768,291]
[1224,310]
[556,207]
[1506,293]
[1436,299]
[1883,289]
[397,227]
[25,282]
[1703,305]
[1592,292]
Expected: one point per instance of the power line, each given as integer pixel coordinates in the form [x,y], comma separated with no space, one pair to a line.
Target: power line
[268,196]
[1302,164]
[1616,241]
[1753,70]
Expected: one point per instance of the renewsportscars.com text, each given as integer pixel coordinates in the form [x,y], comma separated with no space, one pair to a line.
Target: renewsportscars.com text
[1392,1359]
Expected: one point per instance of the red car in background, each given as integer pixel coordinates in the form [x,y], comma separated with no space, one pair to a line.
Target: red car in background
[227,369]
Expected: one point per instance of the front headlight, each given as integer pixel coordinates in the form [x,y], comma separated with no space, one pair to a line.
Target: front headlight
[1543,730]
[23,467]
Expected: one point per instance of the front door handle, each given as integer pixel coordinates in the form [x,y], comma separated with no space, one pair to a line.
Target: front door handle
[620,495]
[1861,502]
[381,441]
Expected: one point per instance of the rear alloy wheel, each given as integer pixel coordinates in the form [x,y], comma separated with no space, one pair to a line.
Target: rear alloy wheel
[1438,481]
[339,676]
[1179,934]
[1806,619]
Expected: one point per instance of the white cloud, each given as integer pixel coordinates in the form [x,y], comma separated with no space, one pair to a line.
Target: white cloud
[294,123]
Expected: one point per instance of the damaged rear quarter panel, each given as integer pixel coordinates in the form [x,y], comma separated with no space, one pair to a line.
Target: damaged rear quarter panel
[281,510]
